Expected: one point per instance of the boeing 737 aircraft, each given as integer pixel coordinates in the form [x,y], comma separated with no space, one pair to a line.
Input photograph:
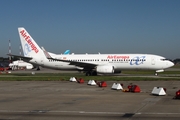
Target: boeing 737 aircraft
[91,64]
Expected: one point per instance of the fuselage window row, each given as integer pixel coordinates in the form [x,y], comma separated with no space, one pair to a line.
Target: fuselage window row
[80,60]
[115,60]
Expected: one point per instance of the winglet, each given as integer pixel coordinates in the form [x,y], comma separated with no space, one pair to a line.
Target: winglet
[46,53]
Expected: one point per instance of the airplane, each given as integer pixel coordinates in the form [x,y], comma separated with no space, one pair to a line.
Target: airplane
[91,64]
[20,64]
[67,52]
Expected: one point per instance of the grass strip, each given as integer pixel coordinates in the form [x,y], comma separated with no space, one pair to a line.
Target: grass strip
[66,77]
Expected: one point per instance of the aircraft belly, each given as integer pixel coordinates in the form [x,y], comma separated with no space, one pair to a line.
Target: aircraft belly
[65,67]
[59,66]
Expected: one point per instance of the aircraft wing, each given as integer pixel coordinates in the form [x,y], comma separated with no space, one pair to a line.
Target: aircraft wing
[76,63]
[19,56]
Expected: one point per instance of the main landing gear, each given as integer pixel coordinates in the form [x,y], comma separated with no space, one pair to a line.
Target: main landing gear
[38,68]
[91,73]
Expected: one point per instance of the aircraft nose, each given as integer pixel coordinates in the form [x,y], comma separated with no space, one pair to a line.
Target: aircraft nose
[170,64]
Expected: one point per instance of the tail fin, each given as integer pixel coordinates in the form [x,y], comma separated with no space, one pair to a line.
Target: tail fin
[29,46]
[67,52]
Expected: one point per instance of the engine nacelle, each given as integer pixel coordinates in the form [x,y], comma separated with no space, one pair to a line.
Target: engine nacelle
[105,69]
[29,67]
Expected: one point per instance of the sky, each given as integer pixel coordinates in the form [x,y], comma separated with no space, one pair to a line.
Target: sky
[92,26]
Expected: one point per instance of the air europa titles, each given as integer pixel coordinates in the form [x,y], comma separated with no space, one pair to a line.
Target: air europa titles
[28,39]
[117,57]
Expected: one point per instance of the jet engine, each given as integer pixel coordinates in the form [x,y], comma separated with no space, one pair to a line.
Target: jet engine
[105,69]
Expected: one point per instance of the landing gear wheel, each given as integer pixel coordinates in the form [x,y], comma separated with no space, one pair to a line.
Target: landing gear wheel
[88,73]
[91,73]
[94,73]
[156,74]
[38,68]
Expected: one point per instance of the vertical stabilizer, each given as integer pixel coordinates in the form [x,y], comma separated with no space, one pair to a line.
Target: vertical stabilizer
[29,46]
[67,52]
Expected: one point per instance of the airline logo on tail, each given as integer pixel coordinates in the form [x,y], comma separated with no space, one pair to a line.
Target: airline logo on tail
[28,39]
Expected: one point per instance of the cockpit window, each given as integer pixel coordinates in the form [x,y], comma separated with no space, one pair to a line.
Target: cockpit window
[165,59]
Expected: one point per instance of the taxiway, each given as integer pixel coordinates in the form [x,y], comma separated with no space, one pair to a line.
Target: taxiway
[66,100]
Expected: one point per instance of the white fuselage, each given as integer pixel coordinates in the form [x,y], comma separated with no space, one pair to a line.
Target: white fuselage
[118,61]
[91,63]
[20,64]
